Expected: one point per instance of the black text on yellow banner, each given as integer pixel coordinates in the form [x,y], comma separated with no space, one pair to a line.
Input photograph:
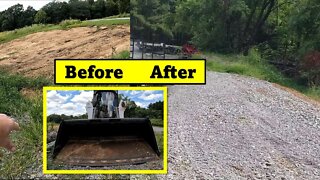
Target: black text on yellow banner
[92,71]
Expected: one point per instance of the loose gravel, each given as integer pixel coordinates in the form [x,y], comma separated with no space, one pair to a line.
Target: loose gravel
[236,127]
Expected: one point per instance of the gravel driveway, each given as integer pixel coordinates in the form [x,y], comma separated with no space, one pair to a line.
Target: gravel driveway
[237,127]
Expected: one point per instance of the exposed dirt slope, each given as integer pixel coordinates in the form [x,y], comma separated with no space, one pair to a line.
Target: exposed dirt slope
[33,55]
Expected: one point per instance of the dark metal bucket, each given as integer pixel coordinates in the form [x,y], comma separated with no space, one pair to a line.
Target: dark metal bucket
[103,142]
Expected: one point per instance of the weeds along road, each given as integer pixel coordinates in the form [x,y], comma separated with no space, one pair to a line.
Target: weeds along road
[237,127]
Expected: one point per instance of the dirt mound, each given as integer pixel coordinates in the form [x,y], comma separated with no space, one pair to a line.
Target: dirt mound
[33,55]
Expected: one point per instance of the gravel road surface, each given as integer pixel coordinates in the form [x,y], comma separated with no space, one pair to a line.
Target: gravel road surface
[237,127]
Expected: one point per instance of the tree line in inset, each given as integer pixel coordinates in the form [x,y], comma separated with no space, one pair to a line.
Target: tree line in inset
[153,111]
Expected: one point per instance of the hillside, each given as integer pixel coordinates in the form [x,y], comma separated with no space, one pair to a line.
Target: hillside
[33,55]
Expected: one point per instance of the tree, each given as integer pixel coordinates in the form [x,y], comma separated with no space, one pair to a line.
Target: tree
[225,26]
[123,6]
[12,17]
[156,106]
[111,8]
[57,11]
[41,17]
[304,22]
[28,16]
[98,9]
[79,10]
[54,118]
[148,20]
[155,110]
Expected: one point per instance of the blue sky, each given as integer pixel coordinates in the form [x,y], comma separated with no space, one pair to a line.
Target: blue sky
[143,98]
[73,102]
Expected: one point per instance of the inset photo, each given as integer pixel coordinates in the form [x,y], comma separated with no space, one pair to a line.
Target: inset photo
[105,130]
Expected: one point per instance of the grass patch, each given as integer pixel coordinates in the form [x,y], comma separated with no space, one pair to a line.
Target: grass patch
[255,66]
[313,93]
[100,22]
[157,122]
[122,55]
[123,15]
[159,138]
[28,112]
[18,33]
[27,160]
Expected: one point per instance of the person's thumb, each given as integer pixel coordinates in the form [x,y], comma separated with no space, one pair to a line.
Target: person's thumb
[15,126]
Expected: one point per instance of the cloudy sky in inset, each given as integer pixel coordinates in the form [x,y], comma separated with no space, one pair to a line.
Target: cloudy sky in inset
[74,102]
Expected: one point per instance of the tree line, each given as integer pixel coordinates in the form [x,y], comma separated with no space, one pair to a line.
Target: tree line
[55,12]
[285,32]
[153,111]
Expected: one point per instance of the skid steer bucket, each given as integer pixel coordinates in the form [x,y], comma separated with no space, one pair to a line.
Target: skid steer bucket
[103,142]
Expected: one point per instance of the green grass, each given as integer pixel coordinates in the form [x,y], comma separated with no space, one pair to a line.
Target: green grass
[313,93]
[255,66]
[122,55]
[119,16]
[159,138]
[157,122]
[18,33]
[100,22]
[28,112]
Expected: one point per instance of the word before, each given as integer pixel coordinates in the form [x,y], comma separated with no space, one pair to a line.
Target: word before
[91,72]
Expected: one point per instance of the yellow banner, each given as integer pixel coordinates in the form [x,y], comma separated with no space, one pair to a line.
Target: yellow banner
[69,71]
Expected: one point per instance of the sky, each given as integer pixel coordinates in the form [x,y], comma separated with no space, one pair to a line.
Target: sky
[36,4]
[74,102]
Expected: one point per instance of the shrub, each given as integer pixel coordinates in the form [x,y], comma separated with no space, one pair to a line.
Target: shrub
[67,23]
[310,68]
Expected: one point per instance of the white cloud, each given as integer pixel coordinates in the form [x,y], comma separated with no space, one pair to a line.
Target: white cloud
[83,97]
[53,96]
[135,92]
[69,106]
[58,104]
[149,92]
[142,104]
[148,97]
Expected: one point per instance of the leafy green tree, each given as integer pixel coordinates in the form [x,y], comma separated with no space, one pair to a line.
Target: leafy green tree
[13,17]
[98,9]
[54,118]
[111,8]
[148,19]
[156,106]
[123,6]
[41,17]
[225,26]
[155,110]
[79,10]
[57,11]
[28,16]
[305,23]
